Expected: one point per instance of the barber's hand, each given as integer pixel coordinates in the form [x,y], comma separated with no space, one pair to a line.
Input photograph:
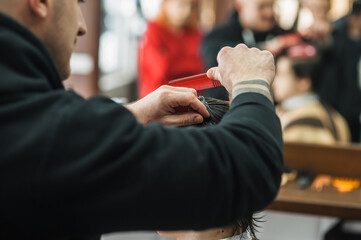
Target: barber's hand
[239,64]
[170,106]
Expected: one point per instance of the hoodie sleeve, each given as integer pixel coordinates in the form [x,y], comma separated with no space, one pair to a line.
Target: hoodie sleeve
[105,172]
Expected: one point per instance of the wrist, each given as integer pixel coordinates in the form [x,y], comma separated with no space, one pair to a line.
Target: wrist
[137,112]
[259,86]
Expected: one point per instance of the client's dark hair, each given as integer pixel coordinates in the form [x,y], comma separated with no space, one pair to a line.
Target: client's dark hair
[306,61]
[356,7]
[217,109]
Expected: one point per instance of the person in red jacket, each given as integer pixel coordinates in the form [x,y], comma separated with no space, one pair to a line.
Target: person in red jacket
[170,48]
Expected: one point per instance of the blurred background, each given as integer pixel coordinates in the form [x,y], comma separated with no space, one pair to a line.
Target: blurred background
[110,60]
[105,61]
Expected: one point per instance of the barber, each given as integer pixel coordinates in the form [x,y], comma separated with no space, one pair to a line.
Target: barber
[74,168]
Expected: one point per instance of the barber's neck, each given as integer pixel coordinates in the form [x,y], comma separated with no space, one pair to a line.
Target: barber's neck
[12,8]
[19,11]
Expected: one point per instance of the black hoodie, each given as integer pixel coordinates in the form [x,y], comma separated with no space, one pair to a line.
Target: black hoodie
[72,168]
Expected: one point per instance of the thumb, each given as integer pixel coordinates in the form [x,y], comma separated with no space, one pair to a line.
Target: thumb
[181,120]
[214,74]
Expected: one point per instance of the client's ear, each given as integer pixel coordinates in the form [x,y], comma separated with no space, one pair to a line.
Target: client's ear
[305,84]
[39,7]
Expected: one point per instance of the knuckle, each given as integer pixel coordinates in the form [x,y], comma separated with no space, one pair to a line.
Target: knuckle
[223,51]
[267,54]
[164,91]
[241,45]
[163,88]
[220,54]
[255,50]
[192,91]
[189,96]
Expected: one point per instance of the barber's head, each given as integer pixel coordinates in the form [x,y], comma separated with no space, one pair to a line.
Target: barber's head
[257,15]
[297,71]
[57,23]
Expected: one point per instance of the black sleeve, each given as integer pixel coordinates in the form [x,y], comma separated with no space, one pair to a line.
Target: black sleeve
[105,172]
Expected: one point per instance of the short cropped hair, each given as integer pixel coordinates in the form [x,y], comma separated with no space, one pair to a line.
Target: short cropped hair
[306,61]
[356,7]
[216,108]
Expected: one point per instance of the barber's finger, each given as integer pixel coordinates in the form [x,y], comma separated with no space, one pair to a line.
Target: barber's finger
[185,119]
[199,107]
[170,89]
[210,72]
[184,89]
[214,74]
[242,46]
[193,102]
[222,53]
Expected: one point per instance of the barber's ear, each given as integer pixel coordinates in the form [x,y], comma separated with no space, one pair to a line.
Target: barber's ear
[39,7]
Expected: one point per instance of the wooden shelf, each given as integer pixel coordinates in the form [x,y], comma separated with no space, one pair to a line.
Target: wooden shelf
[335,160]
[328,202]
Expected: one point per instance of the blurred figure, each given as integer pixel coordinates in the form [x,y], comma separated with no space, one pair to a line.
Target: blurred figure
[252,23]
[303,117]
[170,48]
[340,87]
[318,8]
[313,21]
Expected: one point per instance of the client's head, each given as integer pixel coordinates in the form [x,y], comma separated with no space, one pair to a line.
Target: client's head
[217,109]
[297,71]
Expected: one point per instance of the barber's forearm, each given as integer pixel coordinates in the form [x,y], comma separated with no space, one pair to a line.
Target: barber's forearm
[262,130]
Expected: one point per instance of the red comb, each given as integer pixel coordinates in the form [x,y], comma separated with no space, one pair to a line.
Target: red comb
[302,51]
[198,82]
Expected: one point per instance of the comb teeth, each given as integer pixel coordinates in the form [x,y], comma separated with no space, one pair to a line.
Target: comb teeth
[216,83]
